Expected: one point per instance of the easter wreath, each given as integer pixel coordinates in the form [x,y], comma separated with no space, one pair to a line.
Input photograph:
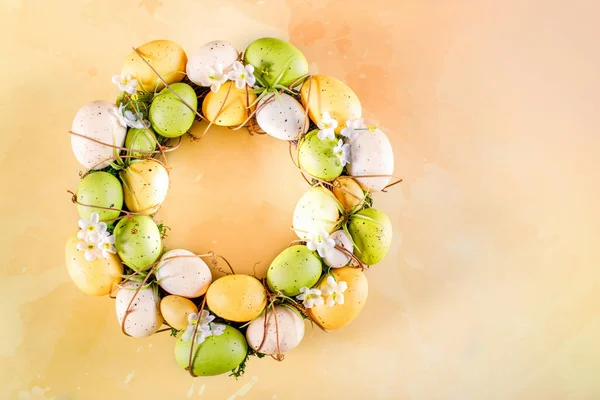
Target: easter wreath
[266,89]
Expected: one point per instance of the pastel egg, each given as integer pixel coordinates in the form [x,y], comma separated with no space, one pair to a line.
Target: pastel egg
[182,273]
[210,55]
[317,210]
[138,241]
[175,311]
[336,258]
[100,189]
[96,120]
[371,232]
[331,95]
[348,192]
[317,157]
[371,154]
[238,298]
[235,110]
[282,118]
[289,329]
[294,268]
[355,297]
[144,317]
[165,56]
[145,185]
[96,278]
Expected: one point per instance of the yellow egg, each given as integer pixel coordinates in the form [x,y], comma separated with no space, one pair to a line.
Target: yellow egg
[349,192]
[167,58]
[175,310]
[330,95]
[355,297]
[235,110]
[145,185]
[96,278]
[238,298]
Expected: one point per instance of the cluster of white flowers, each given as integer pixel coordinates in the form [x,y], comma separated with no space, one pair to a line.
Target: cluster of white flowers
[332,293]
[327,127]
[125,83]
[95,240]
[204,327]
[128,119]
[214,76]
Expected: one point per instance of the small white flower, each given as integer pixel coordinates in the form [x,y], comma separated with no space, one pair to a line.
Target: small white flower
[128,118]
[327,127]
[213,77]
[334,291]
[90,246]
[242,75]
[107,245]
[320,241]
[92,229]
[125,83]
[310,297]
[353,128]
[204,328]
[343,152]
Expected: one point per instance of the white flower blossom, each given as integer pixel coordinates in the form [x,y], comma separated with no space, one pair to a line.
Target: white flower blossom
[353,128]
[107,245]
[327,127]
[334,291]
[90,227]
[213,76]
[310,297]
[125,83]
[343,152]
[242,75]
[319,241]
[204,328]
[95,239]
[129,119]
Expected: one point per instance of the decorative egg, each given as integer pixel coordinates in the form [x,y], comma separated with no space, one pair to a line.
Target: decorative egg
[349,193]
[238,298]
[317,157]
[166,57]
[103,190]
[235,110]
[282,118]
[171,117]
[143,140]
[355,297]
[273,58]
[144,318]
[216,355]
[210,55]
[145,185]
[289,329]
[96,278]
[175,311]
[371,232]
[317,210]
[186,276]
[138,241]
[294,268]
[96,120]
[330,95]
[371,154]
[336,258]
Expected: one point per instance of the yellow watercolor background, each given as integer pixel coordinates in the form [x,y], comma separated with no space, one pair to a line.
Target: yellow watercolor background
[492,287]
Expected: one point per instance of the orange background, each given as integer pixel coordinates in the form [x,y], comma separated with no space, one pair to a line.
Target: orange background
[492,287]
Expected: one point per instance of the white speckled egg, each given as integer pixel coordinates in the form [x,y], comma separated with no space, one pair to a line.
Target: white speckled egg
[209,55]
[290,327]
[96,120]
[283,119]
[371,154]
[334,257]
[184,276]
[144,318]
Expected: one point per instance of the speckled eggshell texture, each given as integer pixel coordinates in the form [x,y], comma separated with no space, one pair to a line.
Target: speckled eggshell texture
[144,318]
[210,55]
[371,154]
[282,118]
[238,298]
[294,268]
[138,241]
[289,329]
[186,276]
[103,190]
[372,236]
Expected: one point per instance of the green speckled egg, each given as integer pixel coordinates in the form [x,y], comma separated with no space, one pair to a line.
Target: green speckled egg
[141,140]
[100,189]
[292,269]
[169,116]
[216,355]
[371,231]
[331,95]
[316,157]
[138,241]
[271,56]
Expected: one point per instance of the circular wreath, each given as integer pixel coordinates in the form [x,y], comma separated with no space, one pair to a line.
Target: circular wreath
[266,89]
